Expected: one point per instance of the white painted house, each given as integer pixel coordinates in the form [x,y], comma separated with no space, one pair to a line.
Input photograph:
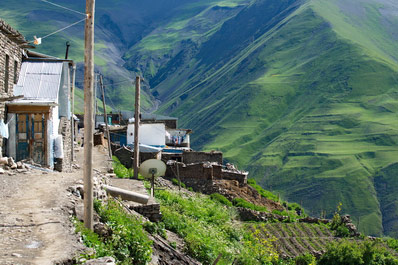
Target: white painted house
[152,134]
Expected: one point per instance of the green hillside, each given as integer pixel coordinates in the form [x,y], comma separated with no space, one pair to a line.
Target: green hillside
[308,108]
[302,93]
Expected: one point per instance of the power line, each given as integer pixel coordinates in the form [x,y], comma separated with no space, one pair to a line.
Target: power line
[55,32]
[57,5]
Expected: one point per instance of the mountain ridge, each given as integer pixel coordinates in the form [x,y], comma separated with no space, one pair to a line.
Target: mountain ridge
[303,94]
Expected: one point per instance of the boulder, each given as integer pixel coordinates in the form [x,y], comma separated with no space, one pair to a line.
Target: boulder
[10,161]
[3,160]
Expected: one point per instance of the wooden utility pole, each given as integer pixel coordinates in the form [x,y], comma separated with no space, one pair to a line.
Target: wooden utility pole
[88,114]
[72,122]
[106,117]
[137,126]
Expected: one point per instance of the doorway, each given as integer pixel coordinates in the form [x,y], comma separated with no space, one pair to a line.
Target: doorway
[31,137]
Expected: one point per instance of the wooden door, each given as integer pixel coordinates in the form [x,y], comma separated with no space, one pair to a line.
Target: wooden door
[22,138]
[31,137]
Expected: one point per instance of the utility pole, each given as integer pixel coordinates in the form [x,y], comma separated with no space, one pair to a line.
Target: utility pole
[88,114]
[73,111]
[105,117]
[136,125]
[95,98]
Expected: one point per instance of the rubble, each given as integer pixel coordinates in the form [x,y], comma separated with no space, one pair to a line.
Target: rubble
[101,261]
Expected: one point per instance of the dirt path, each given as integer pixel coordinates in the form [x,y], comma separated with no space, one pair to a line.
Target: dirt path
[35,212]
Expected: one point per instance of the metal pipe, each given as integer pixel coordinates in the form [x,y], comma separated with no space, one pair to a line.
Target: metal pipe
[126,194]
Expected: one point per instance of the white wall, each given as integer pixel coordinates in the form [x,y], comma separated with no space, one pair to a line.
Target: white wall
[12,146]
[149,134]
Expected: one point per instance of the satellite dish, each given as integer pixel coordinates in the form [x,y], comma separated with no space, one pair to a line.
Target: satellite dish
[152,167]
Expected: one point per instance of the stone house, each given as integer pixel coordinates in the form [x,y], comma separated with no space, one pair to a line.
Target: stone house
[12,50]
[40,122]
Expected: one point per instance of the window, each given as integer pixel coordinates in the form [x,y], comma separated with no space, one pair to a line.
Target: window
[15,72]
[6,73]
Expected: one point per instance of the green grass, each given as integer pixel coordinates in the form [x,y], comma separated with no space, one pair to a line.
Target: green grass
[208,229]
[128,243]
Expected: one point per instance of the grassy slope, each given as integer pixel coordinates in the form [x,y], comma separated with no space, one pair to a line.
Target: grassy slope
[311,112]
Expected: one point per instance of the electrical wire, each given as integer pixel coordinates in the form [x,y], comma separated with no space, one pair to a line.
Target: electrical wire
[57,5]
[55,32]
[64,28]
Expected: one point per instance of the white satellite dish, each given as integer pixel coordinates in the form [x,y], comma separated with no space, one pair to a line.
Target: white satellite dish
[152,167]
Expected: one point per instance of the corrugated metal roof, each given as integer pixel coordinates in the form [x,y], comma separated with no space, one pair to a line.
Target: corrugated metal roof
[39,81]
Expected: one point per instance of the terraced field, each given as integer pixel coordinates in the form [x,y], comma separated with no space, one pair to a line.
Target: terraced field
[295,239]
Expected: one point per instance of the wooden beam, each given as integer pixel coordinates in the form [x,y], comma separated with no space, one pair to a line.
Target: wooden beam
[11,98]
[28,109]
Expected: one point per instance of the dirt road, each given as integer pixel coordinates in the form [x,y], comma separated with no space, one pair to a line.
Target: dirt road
[35,210]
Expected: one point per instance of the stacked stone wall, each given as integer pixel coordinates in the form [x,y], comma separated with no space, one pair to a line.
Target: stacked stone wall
[65,164]
[190,157]
[14,52]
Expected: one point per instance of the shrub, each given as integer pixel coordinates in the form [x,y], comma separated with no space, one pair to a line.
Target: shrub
[128,244]
[337,225]
[155,228]
[306,259]
[120,170]
[348,252]
[239,202]
[177,183]
[265,193]
[220,198]
[258,248]
[173,245]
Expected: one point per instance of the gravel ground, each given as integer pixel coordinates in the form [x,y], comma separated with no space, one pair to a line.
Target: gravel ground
[35,213]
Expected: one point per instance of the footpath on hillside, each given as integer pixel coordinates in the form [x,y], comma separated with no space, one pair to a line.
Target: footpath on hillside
[35,212]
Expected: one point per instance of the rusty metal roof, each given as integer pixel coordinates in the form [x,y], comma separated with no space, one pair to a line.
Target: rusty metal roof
[39,81]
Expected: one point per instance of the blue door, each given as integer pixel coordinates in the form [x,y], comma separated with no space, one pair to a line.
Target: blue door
[31,137]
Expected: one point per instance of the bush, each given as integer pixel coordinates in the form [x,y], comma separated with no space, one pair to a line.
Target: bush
[204,225]
[220,198]
[306,259]
[348,252]
[239,202]
[120,170]
[128,244]
[258,248]
[155,229]
[265,193]
[177,183]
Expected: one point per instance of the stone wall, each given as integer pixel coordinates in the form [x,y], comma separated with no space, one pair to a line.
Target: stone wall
[13,50]
[241,177]
[190,157]
[200,176]
[191,171]
[150,211]
[125,156]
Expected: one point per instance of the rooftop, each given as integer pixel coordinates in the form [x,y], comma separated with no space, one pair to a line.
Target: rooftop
[39,81]
[14,35]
